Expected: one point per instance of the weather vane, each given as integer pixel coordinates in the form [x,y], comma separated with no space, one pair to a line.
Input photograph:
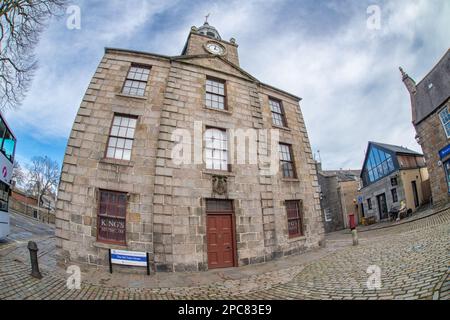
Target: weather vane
[206,17]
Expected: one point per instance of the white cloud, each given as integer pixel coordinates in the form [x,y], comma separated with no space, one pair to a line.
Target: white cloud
[346,74]
[350,81]
[68,59]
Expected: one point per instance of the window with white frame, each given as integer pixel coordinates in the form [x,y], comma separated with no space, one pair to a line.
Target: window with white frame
[215,94]
[136,81]
[121,138]
[278,117]
[444,115]
[216,149]
[286,161]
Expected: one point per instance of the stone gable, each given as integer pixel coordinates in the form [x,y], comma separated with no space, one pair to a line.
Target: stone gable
[216,63]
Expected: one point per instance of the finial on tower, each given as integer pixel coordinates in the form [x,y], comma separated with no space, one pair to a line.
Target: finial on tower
[209,30]
[408,81]
[410,85]
[404,74]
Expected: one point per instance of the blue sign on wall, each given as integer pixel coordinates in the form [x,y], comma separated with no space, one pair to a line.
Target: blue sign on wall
[444,152]
[128,258]
[131,258]
[360,199]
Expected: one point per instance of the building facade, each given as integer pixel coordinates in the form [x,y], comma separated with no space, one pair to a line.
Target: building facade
[23,197]
[392,174]
[430,105]
[23,203]
[123,186]
[339,191]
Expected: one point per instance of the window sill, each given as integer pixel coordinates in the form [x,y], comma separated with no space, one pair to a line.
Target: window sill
[131,96]
[218,110]
[218,173]
[104,245]
[290,180]
[118,162]
[295,239]
[282,128]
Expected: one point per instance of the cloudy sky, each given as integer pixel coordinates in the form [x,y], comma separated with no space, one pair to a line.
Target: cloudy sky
[346,73]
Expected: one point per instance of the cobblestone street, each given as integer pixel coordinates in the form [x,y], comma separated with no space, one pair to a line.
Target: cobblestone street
[413,258]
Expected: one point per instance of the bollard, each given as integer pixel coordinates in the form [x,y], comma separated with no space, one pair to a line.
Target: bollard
[355,237]
[35,273]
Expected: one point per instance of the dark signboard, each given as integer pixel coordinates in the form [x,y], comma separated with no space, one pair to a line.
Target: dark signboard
[444,152]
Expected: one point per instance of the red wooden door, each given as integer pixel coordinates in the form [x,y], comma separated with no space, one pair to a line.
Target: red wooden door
[220,241]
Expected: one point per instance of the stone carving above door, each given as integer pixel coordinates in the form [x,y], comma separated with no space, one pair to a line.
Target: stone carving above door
[219,185]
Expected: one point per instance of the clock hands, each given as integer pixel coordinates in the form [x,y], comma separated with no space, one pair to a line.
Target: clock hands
[215,48]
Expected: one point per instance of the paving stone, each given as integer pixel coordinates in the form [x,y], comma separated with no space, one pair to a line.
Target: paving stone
[338,274]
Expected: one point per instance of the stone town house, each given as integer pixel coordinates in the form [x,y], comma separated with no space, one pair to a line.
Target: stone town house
[120,187]
[338,191]
[430,106]
[392,174]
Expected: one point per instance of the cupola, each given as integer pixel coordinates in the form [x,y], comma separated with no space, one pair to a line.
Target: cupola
[209,31]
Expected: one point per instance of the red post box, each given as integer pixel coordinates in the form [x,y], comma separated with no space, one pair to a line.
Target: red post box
[351,221]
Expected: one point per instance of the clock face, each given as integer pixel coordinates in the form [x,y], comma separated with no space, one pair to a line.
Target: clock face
[215,48]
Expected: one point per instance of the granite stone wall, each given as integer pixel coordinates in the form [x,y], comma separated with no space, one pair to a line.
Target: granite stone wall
[331,203]
[166,200]
[86,170]
[432,138]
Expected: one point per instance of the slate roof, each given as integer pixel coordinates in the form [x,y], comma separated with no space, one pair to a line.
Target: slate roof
[342,175]
[434,89]
[396,149]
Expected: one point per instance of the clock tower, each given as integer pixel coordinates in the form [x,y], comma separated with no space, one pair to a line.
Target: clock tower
[207,40]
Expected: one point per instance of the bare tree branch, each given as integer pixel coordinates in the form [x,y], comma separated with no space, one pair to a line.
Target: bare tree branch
[18,176]
[43,177]
[21,23]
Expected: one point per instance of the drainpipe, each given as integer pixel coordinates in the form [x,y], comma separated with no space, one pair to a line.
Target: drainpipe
[343,206]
